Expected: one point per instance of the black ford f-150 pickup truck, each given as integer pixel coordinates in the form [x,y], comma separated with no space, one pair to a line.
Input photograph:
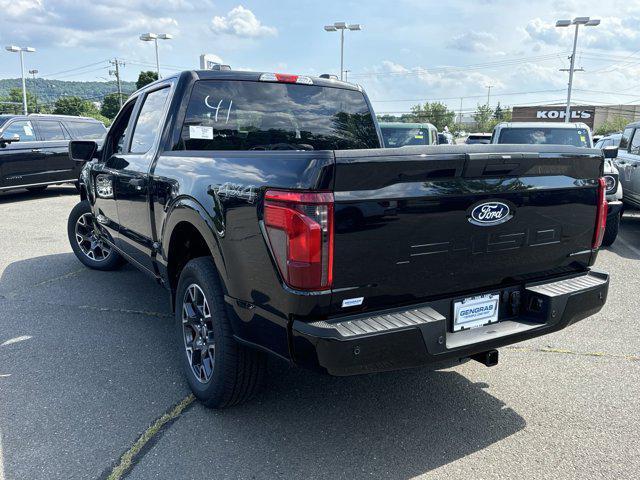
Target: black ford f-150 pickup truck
[267,207]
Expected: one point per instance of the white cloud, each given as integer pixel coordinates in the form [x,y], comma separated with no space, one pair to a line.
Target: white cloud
[241,22]
[69,23]
[476,42]
[612,33]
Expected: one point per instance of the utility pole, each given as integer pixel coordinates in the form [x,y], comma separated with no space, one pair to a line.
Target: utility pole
[35,94]
[488,87]
[460,115]
[346,75]
[117,63]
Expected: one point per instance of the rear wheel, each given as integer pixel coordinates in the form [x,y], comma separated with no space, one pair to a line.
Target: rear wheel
[611,230]
[220,371]
[39,188]
[87,244]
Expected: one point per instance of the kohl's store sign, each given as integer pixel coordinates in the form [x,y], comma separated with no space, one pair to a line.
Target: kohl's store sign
[577,115]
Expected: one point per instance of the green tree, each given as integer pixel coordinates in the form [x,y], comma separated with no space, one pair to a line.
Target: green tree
[78,107]
[12,103]
[483,116]
[74,106]
[616,124]
[145,78]
[435,112]
[388,118]
[111,105]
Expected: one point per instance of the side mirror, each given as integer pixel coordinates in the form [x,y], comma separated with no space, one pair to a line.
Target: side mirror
[83,150]
[610,152]
[13,138]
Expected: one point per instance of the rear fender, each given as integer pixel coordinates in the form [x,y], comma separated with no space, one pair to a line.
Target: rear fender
[187,209]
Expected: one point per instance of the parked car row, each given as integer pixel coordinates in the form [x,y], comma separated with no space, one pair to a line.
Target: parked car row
[34,149]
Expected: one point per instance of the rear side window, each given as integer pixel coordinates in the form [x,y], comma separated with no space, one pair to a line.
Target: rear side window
[148,124]
[51,130]
[245,115]
[635,143]
[626,136]
[88,130]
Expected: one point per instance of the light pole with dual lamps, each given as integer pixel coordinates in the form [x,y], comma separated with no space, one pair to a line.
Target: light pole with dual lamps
[587,22]
[154,37]
[342,26]
[21,50]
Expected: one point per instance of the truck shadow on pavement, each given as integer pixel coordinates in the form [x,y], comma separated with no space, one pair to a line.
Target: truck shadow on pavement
[390,425]
[21,195]
[307,425]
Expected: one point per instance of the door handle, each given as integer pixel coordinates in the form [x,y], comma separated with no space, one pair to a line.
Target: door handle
[36,150]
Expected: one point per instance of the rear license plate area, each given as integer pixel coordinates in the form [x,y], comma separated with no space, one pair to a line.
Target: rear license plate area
[477,311]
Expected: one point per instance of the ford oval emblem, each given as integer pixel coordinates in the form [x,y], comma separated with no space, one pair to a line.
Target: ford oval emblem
[490,213]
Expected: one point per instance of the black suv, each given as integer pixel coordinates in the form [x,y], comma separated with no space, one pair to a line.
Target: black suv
[34,149]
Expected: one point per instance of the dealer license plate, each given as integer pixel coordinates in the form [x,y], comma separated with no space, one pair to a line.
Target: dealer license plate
[475,311]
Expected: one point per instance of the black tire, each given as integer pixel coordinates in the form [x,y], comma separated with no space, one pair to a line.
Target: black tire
[237,372]
[38,189]
[611,230]
[101,260]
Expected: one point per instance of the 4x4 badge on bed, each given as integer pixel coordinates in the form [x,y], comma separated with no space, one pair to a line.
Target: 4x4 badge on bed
[490,213]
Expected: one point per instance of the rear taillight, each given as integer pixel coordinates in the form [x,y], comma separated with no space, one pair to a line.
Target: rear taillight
[601,215]
[300,230]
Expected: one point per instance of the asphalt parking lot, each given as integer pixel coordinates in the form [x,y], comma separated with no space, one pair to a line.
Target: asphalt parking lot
[88,366]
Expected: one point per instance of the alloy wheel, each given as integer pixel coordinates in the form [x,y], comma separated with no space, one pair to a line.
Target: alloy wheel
[197,329]
[91,245]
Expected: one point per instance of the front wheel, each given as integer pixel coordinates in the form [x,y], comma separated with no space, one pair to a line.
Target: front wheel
[611,230]
[220,371]
[87,244]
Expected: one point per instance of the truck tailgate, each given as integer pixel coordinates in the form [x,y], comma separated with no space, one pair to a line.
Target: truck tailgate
[421,222]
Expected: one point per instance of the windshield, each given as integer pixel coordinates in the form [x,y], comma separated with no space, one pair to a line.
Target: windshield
[245,115]
[578,137]
[400,137]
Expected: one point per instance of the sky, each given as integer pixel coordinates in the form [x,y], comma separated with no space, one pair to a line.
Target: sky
[409,51]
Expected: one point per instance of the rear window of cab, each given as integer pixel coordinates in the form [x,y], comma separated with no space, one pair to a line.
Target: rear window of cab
[578,137]
[248,115]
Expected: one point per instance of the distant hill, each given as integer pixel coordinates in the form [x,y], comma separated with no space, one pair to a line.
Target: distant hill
[48,91]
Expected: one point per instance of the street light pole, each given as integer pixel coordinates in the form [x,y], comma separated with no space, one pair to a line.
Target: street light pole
[341,52]
[24,83]
[148,37]
[21,50]
[577,22]
[342,26]
[155,40]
